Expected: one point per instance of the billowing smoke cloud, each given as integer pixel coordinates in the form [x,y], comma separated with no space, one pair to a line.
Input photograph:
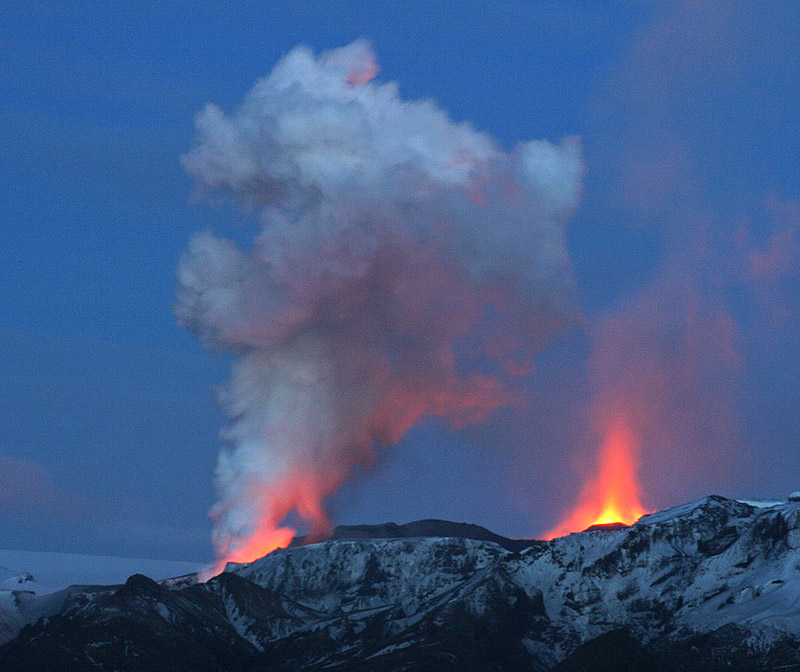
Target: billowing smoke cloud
[398,248]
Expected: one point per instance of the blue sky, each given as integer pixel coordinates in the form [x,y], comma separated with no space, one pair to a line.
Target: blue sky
[689,122]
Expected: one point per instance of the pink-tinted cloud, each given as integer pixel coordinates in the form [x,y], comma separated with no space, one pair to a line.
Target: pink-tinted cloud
[672,356]
[27,492]
[772,271]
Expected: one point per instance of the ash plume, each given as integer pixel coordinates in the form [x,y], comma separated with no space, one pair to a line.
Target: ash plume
[398,248]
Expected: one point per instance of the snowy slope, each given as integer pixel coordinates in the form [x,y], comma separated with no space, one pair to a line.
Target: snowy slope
[691,569]
[35,584]
[51,572]
[698,586]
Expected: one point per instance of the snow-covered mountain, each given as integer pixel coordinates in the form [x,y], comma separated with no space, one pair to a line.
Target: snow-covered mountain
[710,585]
[10,580]
[43,572]
[40,582]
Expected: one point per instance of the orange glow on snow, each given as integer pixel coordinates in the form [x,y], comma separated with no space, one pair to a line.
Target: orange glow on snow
[613,494]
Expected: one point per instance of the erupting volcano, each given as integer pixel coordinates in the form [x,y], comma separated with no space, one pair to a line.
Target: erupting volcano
[612,495]
[407,268]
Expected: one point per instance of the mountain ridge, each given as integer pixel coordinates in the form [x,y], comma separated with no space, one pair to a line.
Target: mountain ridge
[426,527]
[693,587]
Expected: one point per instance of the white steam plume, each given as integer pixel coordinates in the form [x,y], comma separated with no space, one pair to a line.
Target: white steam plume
[388,231]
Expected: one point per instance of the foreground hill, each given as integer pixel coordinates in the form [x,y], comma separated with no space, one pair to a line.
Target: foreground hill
[711,585]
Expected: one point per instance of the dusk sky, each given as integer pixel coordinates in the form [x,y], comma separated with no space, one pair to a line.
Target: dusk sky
[684,248]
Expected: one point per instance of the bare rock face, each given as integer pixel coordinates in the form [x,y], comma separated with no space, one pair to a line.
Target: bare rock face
[710,585]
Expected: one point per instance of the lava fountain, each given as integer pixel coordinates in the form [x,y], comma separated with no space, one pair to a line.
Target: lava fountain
[613,494]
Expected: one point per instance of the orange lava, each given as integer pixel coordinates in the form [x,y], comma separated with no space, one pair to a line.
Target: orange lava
[613,494]
[261,543]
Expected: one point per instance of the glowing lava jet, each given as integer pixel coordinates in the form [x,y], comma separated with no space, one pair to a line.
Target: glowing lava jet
[613,494]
